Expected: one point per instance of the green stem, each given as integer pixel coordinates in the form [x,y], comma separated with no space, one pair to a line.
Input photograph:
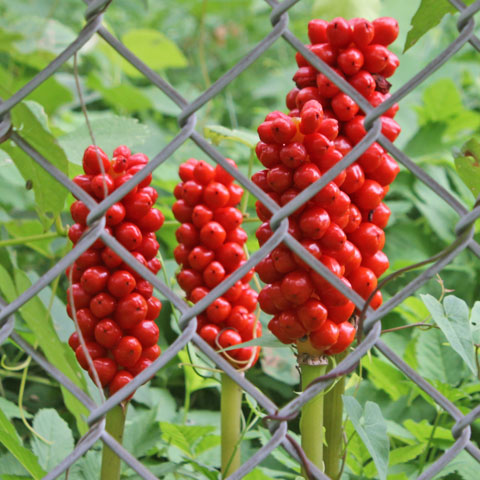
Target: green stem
[31,238]
[333,416]
[311,420]
[114,426]
[231,405]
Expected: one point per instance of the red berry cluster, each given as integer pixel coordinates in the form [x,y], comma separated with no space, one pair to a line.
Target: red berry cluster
[341,226]
[114,305]
[211,248]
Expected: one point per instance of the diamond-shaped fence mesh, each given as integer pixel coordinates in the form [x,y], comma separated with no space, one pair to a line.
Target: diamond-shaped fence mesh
[277,417]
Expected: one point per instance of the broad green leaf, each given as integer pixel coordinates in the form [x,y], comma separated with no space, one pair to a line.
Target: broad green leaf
[110,131]
[218,134]
[328,10]
[193,381]
[436,360]
[453,319]
[397,456]
[386,377]
[51,94]
[463,464]
[442,101]
[428,15]
[475,322]
[141,431]
[184,437]
[10,410]
[30,122]
[206,443]
[372,429]
[48,423]
[423,430]
[86,467]
[158,399]
[10,440]
[11,468]
[152,47]
[468,168]
[59,354]
[257,474]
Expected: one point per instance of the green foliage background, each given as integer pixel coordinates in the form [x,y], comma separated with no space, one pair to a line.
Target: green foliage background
[173,422]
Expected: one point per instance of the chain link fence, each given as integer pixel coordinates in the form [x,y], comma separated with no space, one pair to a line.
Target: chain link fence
[277,417]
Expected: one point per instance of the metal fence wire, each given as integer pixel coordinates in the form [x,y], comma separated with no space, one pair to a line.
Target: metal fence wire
[278,417]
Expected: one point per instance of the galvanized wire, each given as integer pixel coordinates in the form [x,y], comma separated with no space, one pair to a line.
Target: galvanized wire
[277,417]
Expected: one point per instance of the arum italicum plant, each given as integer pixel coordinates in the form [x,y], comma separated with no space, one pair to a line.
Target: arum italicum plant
[210,248]
[342,225]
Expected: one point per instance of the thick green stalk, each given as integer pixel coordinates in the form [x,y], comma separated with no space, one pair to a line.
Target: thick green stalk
[114,426]
[231,405]
[333,418]
[311,420]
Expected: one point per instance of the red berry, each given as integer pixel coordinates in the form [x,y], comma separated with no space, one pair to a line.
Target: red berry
[317,31]
[115,214]
[375,57]
[201,215]
[314,222]
[152,221]
[386,30]
[216,195]
[121,283]
[94,279]
[350,61]
[346,335]
[131,310]
[94,349]
[127,352]
[107,333]
[312,315]
[129,235]
[338,32]
[146,332]
[325,336]
[106,369]
[213,274]
[154,307]
[200,257]
[94,160]
[121,378]
[212,235]
[362,32]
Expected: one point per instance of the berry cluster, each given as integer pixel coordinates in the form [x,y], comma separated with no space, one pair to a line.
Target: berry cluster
[114,305]
[210,248]
[342,226]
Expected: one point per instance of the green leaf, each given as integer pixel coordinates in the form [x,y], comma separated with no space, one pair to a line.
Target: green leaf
[10,440]
[30,121]
[141,431]
[463,464]
[59,354]
[423,430]
[468,168]
[437,361]
[475,322]
[453,319]
[10,410]
[152,47]
[428,15]
[386,377]
[442,101]
[48,423]
[86,467]
[372,429]
[279,363]
[185,437]
[110,131]
[219,134]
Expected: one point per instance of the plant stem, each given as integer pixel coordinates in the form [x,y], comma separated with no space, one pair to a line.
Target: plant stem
[333,416]
[114,426]
[311,420]
[231,405]
[31,238]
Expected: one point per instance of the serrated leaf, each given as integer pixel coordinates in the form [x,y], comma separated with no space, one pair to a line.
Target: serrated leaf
[110,131]
[48,423]
[184,437]
[453,319]
[29,120]
[141,431]
[10,440]
[372,429]
[218,134]
[86,467]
